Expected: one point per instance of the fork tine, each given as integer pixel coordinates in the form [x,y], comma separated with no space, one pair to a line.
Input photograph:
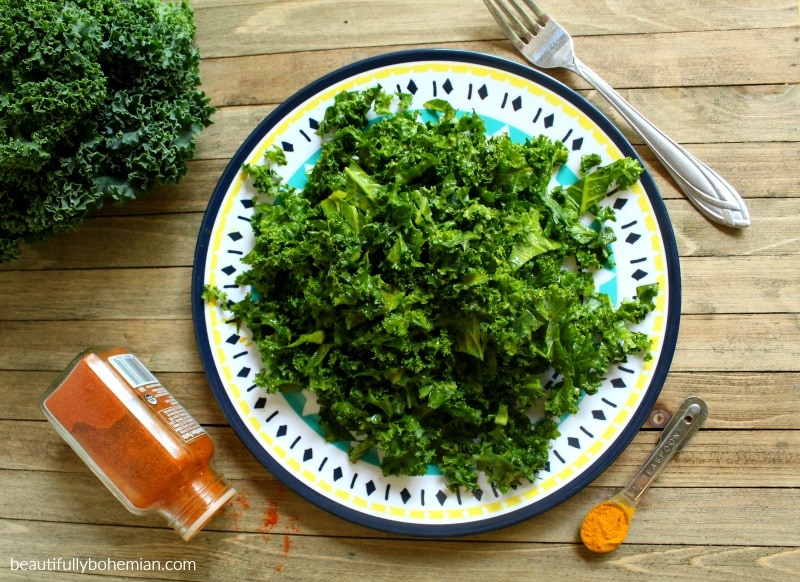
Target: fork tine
[541,15]
[515,20]
[532,23]
[504,18]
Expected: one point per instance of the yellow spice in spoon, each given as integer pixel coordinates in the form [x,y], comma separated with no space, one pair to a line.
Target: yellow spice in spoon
[605,527]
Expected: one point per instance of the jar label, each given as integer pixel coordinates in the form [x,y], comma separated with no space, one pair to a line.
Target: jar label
[135,373]
[133,370]
[182,422]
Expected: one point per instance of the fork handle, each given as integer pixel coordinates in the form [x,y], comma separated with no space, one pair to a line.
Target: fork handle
[712,195]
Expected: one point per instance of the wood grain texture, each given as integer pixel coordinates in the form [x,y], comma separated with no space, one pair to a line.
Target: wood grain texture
[751,456]
[730,397]
[719,76]
[165,291]
[246,28]
[724,343]
[169,240]
[734,57]
[294,556]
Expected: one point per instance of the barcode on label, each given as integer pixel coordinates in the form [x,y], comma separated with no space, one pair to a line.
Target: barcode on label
[133,370]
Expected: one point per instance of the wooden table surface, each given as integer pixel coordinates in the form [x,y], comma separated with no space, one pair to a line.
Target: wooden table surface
[720,76]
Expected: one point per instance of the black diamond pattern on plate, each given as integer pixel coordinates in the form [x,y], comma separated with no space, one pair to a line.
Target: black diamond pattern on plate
[337,473]
[549,120]
[287,147]
[260,403]
[483,92]
[405,495]
[618,383]
[313,123]
[412,87]
[574,442]
[244,372]
[308,454]
[478,493]
[620,203]
[370,487]
[598,415]
[235,236]
[229,270]
[638,274]
[632,238]
[577,144]
[517,103]
[447,86]
[233,339]
[282,429]
[248,203]
[441,497]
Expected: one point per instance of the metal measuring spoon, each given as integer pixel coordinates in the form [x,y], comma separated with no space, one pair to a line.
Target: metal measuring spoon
[606,525]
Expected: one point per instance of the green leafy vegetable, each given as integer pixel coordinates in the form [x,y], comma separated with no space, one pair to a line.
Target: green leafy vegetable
[98,100]
[417,286]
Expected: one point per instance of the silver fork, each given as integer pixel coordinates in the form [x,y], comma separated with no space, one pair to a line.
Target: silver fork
[546,44]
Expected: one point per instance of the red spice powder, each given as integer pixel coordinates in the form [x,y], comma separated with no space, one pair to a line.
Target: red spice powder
[137,439]
[270,517]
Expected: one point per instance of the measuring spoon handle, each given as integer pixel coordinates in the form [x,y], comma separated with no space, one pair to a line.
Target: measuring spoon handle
[689,416]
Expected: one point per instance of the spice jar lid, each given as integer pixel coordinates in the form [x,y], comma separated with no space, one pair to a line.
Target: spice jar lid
[194,504]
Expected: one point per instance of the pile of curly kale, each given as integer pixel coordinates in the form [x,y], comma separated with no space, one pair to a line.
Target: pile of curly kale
[416,285]
[98,101]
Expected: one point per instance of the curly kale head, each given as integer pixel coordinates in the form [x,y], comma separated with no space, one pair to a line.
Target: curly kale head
[99,100]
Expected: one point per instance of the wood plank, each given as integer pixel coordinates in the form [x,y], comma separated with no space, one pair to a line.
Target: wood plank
[673,60]
[761,113]
[163,293]
[766,170]
[773,230]
[166,240]
[712,114]
[738,399]
[169,240]
[755,170]
[763,285]
[738,342]
[730,516]
[22,391]
[293,556]
[163,345]
[706,343]
[734,398]
[271,27]
[752,457]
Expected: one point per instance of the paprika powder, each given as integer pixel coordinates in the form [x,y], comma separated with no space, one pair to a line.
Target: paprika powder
[142,444]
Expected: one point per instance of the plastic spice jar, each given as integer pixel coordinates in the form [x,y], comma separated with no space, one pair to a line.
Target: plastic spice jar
[140,442]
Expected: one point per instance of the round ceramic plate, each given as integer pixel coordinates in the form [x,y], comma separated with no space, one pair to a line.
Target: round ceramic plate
[282,430]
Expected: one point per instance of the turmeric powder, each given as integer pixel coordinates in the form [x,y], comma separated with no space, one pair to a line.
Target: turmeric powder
[605,527]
